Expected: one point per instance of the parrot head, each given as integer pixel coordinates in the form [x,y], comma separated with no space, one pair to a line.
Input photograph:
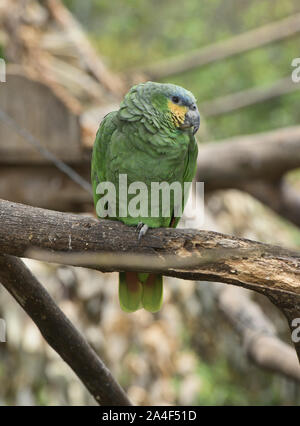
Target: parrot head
[161,105]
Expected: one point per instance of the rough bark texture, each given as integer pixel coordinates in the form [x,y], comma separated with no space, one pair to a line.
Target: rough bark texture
[201,255]
[186,254]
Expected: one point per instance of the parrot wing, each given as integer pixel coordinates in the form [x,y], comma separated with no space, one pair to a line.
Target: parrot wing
[189,173]
[99,164]
[130,283]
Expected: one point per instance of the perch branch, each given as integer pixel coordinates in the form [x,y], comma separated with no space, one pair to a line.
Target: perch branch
[59,332]
[267,269]
[251,264]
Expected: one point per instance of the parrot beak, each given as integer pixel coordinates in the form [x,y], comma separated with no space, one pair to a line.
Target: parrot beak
[192,119]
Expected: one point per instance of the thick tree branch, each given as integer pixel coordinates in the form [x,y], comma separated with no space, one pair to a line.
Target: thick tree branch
[250,264]
[255,164]
[196,255]
[264,156]
[59,332]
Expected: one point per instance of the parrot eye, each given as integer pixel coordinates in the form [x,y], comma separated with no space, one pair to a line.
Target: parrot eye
[175,99]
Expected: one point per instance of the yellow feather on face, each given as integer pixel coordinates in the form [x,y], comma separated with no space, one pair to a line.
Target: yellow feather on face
[178,112]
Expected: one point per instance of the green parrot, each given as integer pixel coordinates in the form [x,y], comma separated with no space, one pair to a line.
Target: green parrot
[150,139]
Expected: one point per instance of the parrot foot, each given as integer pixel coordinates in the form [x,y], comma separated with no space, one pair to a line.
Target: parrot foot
[142,229]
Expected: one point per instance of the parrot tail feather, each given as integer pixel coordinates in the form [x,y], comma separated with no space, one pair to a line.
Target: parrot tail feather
[138,290]
[130,291]
[152,293]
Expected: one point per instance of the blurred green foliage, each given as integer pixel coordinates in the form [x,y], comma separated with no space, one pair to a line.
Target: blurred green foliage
[134,33]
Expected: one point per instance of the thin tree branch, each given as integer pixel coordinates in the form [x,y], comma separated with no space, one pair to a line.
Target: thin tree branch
[248,97]
[59,332]
[252,39]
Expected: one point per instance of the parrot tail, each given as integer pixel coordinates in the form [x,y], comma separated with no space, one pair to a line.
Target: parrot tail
[137,290]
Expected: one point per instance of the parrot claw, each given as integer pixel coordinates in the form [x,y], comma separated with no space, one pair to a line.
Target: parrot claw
[141,229]
[139,226]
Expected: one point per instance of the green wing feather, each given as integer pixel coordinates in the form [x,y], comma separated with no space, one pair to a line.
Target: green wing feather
[190,170]
[101,144]
[130,287]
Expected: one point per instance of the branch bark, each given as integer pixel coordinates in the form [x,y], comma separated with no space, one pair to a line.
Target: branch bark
[267,269]
[249,264]
[59,332]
